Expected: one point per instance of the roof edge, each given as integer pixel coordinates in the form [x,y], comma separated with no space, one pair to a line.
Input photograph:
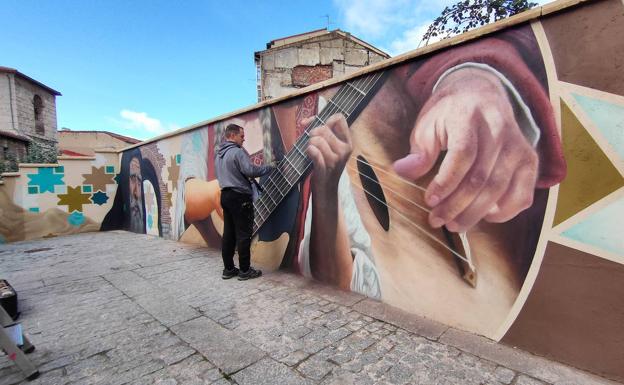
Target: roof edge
[26,77]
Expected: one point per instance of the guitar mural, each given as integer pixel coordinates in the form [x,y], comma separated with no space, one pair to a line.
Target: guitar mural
[460,124]
[446,184]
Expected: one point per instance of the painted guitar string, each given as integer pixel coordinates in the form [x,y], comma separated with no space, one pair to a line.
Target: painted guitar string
[397,211]
[359,90]
[380,169]
[386,188]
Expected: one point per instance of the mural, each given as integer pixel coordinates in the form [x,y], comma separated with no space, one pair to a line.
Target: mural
[50,200]
[457,185]
[480,185]
[422,185]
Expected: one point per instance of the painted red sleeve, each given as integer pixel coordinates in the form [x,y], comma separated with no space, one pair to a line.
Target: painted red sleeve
[504,57]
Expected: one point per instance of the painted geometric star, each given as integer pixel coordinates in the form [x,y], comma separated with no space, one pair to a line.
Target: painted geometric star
[74,199]
[46,179]
[98,178]
[99,198]
[174,170]
[149,198]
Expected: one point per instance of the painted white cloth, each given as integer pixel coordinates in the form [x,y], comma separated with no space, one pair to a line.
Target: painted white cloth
[365,277]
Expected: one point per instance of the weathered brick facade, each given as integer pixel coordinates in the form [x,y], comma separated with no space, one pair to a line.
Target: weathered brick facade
[299,61]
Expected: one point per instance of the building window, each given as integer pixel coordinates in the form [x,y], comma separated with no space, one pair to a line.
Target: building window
[38,108]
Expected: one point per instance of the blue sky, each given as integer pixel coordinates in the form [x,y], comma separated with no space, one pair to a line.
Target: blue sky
[142,68]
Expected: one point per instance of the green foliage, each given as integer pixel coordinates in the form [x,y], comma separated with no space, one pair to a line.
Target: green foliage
[469,14]
[9,164]
[38,153]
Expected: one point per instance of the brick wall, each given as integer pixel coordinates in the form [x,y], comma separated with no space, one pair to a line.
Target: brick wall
[283,70]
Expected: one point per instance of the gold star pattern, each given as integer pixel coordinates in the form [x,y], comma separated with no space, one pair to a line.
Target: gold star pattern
[74,199]
[98,178]
[174,171]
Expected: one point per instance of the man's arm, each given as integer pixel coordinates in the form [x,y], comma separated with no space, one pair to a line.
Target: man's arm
[249,169]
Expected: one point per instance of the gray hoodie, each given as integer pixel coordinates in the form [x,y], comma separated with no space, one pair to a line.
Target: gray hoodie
[231,162]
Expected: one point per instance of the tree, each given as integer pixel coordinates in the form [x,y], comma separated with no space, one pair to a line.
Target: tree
[468,14]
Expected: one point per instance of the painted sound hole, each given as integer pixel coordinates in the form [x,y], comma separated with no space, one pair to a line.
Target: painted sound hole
[374,192]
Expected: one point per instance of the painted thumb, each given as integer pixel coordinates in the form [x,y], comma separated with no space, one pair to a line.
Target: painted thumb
[413,166]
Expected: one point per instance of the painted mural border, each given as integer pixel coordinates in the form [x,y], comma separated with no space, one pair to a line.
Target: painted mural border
[553,192]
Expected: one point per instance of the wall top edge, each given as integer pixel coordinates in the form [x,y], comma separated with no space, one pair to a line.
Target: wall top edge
[106,151]
[37,165]
[66,157]
[524,17]
[10,175]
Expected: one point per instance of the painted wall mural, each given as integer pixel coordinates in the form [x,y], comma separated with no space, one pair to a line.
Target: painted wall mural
[425,186]
[51,200]
[480,185]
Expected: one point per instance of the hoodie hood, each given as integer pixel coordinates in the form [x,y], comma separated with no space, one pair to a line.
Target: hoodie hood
[224,147]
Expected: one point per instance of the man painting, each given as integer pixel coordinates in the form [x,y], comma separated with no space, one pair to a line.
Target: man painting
[233,169]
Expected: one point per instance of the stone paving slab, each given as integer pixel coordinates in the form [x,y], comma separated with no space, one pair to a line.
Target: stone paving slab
[219,345]
[142,310]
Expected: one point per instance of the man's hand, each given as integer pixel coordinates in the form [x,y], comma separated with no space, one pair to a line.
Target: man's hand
[489,171]
[329,148]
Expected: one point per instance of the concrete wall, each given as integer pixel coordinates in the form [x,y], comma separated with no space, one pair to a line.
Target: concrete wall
[86,142]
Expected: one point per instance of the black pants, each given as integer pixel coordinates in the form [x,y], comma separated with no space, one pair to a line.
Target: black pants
[238,216]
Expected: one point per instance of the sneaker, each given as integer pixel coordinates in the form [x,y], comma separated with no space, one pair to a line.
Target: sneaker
[249,274]
[227,274]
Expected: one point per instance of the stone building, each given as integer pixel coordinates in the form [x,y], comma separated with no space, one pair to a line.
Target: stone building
[297,61]
[27,115]
[85,143]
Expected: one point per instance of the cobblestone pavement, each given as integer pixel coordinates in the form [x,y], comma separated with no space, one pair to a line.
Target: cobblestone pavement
[121,308]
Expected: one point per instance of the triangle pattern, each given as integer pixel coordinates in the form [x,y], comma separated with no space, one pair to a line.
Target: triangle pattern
[591,176]
[608,117]
[601,229]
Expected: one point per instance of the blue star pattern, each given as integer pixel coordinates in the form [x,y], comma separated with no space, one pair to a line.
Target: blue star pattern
[46,179]
[150,221]
[76,218]
[99,198]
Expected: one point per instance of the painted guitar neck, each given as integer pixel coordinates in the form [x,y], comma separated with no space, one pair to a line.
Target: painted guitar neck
[349,101]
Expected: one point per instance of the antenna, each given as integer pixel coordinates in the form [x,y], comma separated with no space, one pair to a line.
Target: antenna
[328,23]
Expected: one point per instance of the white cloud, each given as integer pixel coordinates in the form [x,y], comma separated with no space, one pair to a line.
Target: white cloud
[396,24]
[140,124]
[411,39]
[140,120]
[371,17]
